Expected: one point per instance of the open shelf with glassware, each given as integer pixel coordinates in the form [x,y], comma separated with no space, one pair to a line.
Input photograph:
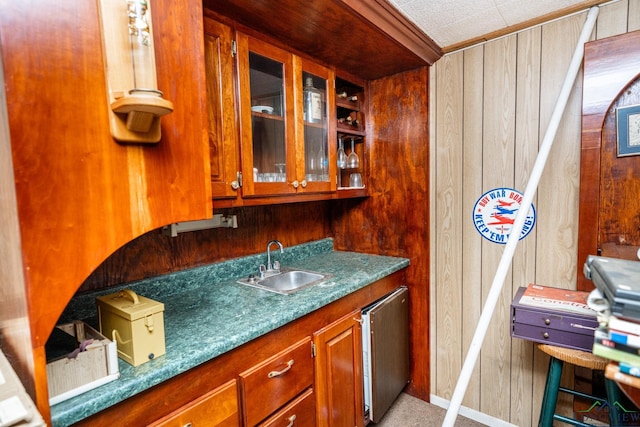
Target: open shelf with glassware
[350,157]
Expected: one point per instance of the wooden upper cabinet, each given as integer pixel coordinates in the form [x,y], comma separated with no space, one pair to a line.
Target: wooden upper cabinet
[285,145]
[221,93]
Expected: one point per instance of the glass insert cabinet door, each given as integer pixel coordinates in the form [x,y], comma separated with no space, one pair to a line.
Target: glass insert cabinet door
[314,102]
[267,136]
[267,121]
[317,87]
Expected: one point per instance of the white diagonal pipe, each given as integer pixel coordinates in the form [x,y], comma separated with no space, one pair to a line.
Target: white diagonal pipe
[514,236]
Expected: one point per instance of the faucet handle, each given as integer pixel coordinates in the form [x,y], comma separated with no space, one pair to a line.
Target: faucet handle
[263,270]
[276,265]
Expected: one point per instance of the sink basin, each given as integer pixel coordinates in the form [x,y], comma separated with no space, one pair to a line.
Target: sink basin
[287,281]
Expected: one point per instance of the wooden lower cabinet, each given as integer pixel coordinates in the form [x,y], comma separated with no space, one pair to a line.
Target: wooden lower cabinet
[339,378]
[272,383]
[218,408]
[301,412]
[236,388]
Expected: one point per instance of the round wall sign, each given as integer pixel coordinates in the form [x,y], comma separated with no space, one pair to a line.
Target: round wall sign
[495,211]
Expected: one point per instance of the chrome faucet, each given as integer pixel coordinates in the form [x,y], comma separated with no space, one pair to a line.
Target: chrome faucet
[275,268]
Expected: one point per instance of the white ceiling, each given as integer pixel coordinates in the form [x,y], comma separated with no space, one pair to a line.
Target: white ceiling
[451,22]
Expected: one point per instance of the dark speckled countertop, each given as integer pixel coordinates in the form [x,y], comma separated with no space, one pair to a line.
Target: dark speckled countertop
[207,303]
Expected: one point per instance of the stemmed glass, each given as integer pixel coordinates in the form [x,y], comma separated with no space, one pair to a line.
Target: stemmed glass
[342,156]
[353,161]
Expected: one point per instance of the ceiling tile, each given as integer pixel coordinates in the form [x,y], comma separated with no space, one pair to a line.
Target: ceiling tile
[452,22]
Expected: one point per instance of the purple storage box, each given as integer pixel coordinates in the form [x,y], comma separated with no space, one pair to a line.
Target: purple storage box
[549,326]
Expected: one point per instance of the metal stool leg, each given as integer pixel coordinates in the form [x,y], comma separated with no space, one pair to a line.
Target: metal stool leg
[550,393]
[613,398]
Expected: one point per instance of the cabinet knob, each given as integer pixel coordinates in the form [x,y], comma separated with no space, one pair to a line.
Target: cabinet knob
[292,420]
[546,335]
[295,184]
[235,185]
[547,321]
[303,183]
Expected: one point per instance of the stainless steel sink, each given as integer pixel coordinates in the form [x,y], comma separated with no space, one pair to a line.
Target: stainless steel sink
[287,281]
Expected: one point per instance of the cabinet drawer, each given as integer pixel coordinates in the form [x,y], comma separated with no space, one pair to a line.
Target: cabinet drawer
[272,383]
[299,413]
[217,408]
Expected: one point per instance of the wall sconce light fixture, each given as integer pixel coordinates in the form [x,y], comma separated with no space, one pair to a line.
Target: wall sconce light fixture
[135,103]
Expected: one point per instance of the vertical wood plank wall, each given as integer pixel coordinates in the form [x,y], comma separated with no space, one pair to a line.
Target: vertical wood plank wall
[490,107]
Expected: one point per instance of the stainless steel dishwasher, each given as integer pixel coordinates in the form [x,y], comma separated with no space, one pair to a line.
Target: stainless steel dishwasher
[385,346]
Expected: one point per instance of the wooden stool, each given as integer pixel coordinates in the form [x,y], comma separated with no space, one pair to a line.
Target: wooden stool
[559,355]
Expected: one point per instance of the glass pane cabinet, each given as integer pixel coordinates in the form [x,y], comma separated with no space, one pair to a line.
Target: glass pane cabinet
[285,121]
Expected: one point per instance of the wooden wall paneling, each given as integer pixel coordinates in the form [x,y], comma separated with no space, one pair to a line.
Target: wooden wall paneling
[612,19]
[394,220]
[522,411]
[497,154]
[433,313]
[546,255]
[633,16]
[471,242]
[448,195]
[558,189]
[153,253]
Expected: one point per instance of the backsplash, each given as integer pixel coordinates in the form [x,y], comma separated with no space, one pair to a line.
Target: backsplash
[154,254]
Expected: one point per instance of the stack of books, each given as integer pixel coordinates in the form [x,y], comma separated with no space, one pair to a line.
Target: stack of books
[620,342]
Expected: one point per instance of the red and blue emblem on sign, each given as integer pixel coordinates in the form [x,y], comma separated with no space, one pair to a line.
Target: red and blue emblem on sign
[495,212]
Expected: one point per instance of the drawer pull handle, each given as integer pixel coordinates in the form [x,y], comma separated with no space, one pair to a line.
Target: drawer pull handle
[546,335]
[547,321]
[273,374]
[292,419]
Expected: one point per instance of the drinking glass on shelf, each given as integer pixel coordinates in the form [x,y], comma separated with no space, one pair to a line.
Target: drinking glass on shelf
[281,176]
[342,156]
[355,180]
[353,161]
